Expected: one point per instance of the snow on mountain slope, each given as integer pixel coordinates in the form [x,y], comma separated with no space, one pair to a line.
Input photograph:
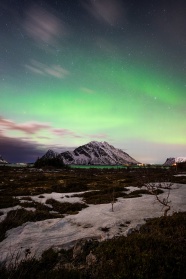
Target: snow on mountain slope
[172,161]
[180,159]
[96,153]
[2,161]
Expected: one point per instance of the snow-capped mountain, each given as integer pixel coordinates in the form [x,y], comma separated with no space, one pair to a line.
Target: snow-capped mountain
[2,161]
[172,161]
[96,153]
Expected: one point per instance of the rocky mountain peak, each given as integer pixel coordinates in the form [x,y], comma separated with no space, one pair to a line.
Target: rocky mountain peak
[171,161]
[50,154]
[92,153]
[97,153]
[2,161]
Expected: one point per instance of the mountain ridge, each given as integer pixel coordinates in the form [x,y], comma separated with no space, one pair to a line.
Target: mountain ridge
[92,153]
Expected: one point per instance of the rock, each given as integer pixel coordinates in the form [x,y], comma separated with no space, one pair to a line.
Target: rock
[91,259]
[78,249]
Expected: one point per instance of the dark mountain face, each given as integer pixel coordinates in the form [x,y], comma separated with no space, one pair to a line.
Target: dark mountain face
[49,159]
[66,156]
[50,154]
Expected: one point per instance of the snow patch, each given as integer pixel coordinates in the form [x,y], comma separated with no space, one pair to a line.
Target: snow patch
[14,208]
[88,223]
[60,197]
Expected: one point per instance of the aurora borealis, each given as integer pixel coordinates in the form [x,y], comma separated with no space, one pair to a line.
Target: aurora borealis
[105,70]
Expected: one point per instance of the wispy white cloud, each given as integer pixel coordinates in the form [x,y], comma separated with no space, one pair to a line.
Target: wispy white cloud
[28,127]
[57,71]
[110,11]
[42,69]
[43,26]
[65,132]
[33,128]
[98,136]
[87,90]
[34,70]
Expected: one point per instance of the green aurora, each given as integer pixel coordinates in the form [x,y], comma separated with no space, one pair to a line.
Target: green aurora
[84,91]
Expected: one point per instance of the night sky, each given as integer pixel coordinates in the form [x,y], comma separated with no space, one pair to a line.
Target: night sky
[82,70]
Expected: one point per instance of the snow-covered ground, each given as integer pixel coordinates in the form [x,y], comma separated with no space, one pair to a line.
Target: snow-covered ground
[6,210]
[61,197]
[88,223]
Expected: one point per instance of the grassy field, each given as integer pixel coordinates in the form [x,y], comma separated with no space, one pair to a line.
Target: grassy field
[156,251]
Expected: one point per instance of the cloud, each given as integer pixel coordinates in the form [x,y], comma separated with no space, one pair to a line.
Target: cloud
[87,90]
[31,128]
[42,137]
[18,150]
[44,70]
[110,11]
[98,136]
[65,132]
[56,71]
[43,26]
[28,127]
[24,148]
[59,149]
[35,70]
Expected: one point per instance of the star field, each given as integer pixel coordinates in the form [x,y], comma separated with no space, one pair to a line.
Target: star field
[105,70]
